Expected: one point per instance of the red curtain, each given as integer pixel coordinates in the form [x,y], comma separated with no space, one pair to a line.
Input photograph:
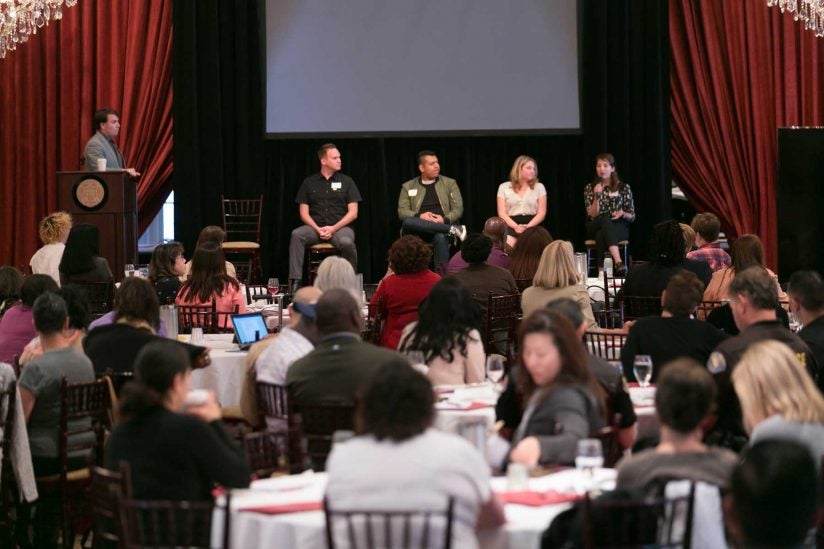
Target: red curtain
[111,53]
[740,70]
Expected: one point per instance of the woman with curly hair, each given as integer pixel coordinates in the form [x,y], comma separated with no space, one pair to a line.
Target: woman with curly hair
[522,199]
[527,255]
[447,333]
[53,230]
[209,282]
[165,268]
[407,284]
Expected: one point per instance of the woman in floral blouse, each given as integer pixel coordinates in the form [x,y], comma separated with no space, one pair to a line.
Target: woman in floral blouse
[610,209]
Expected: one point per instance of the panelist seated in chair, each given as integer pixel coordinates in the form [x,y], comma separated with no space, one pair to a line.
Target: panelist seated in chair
[396,451]
[328,204]
[430,206]
[41,379]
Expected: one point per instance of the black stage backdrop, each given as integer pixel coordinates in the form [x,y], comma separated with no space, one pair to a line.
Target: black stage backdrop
[220,147]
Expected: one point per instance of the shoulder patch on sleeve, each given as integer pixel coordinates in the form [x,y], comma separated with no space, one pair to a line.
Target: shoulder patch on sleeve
[716,363]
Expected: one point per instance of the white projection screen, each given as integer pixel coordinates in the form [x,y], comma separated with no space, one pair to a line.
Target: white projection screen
[388,67]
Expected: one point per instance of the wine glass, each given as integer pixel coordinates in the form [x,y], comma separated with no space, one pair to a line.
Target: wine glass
[495,368]
[273,286]
[642,367]
[590,456]
[129,269]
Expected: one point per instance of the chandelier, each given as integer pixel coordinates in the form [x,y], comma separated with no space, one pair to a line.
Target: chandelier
[809,11]
[21,18]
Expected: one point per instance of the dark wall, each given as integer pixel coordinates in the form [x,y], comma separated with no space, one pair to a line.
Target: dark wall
[219,144]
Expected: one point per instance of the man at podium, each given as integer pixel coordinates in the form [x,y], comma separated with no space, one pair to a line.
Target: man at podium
[101,151]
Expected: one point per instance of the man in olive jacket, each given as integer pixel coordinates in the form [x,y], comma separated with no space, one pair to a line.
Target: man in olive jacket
[430,206]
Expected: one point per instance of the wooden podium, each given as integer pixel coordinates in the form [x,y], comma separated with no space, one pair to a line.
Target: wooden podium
[109,200]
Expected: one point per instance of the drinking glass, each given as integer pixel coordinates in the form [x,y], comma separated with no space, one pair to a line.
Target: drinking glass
[273,286]
[129,269]
[642,367]
[494,368]
[590,456]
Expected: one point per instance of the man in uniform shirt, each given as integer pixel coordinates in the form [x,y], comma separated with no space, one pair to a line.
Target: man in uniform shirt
[806,292]
[753,300]
[430,206]
[328,204]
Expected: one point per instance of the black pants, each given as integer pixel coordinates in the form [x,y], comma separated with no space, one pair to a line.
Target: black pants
[520,220]
[607,232]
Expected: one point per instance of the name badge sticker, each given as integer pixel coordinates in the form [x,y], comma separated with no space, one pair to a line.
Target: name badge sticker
[412,192]
[336,185]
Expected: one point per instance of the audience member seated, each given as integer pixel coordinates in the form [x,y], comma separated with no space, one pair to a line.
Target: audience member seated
[295,340]
[747,252]
[521,201]
[479,277]
[11,280]
[396,451]
[81,261]
[774,496]
[40,382]
[16,328]
[701,268]
[407,283]
[778,398]
[175,450]
[557,278]
[684,398]
[674,334]
[77,306]
[753,300]
[209,281]
[157,324]
[53,230]
[806,293]
[341,362]
[666,257]
[706,227]
[495,229]
[115,346]
[525,257]
[165,269]
[210,233]
[446,332]
[564,402]
[337,272]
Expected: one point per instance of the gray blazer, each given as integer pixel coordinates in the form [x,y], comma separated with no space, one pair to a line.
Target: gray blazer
[99,146]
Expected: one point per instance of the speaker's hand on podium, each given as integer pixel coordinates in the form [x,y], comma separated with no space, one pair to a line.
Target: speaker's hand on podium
[132,172]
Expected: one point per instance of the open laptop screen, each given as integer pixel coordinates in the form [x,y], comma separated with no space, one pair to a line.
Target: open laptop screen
[249,327]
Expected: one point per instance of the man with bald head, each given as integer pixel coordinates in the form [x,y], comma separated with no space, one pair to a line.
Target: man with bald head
[495,229]
[342,361]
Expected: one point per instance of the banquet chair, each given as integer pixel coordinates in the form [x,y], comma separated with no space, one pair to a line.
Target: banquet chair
[106,490]
[373,327]
[368,529]
[258,292]
[190,316]
[609,318]
[503,313]
[606,346]
[313,256]
[635,307]
[84,417]
[312,427]
[705,308]
[169,524]
[241,221]
[654,521]
[244,271]
[271,401]
[8,403]
[100,296]
[266,452]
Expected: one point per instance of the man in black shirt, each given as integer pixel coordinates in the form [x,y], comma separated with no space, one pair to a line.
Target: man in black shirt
[328,204]
[753,299]
[806,291]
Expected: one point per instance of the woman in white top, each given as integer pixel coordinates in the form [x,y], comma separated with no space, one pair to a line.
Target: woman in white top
[778,397]
[54,231]
[522,199]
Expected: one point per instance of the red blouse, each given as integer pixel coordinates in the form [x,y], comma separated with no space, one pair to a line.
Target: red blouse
[402,293]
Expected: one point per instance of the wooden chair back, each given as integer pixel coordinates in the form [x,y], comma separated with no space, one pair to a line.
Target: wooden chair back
[170,524]
[106,490]
[100,296]
[371,529]
[609,318]
[503,313]
[606,346]
[244,271]
[267,453]
[635,307]
[272,401]
[705,308]
[375,320]
[612,284]
[204,316]
[314,425]
[241,218]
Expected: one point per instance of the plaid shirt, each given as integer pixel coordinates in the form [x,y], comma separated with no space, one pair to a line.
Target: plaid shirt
[712,254]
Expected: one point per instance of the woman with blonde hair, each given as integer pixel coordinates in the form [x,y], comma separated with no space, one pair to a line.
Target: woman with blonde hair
[778,397]
[556,278]
[54,231]
[522,199]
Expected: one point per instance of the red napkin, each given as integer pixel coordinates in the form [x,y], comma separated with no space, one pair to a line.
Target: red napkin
[539,499]
[283,508]
[476,405]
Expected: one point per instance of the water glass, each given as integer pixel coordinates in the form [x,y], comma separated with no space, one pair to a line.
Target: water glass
[642,367]
[197,336]
[590,456]
[517,477]
[129,269]
[495,368]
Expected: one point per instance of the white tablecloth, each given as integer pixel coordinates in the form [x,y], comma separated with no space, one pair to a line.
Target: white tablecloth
[306,530]
[225,374]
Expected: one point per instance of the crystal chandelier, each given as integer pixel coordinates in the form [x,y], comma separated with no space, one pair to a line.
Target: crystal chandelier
[21,18]
[809,11]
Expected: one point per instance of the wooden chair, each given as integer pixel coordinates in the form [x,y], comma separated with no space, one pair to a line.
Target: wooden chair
[106,490]
[241,221]
[378,528]
[84,417]
[272,401]
[8,403]
[313,425]
[606,346]
[312,258]
[503,313]
[373,327]
[100,296]
[635,307]
[118,379]
[267,453]
[650,522]
[169,524]
[244,271]
[609,318]
[257,292]
[204,316]
[612,284]
[705,308]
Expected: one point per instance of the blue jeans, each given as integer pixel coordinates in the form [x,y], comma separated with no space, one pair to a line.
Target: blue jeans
[436,233]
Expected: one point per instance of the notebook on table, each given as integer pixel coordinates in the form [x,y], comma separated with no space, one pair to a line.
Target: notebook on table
[249,328]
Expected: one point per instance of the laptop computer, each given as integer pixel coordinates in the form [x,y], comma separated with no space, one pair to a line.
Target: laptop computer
[249,328]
